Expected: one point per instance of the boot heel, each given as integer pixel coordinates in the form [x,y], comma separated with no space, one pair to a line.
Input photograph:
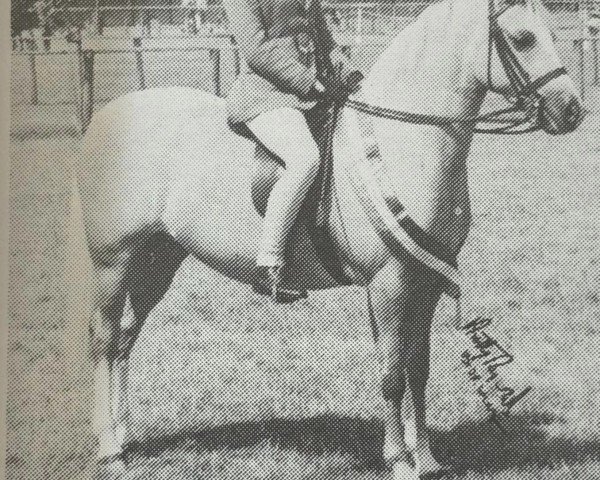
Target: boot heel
[265,284]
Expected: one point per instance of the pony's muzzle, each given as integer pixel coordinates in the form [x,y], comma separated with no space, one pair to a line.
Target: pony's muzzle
[573,114]
[561,110]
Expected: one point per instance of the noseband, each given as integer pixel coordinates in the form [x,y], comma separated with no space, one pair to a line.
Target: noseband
[527,99]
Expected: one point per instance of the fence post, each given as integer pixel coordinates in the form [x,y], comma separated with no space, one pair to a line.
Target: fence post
[78,42]
[100,24]
[358,36]
[87,88]
[595,60]
[139,62]
[580,46]
[34,82]
[347,50]
[215,56]
[237,61]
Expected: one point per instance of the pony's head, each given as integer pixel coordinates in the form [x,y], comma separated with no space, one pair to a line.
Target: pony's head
[521,61]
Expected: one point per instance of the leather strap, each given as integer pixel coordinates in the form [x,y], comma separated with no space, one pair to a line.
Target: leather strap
[544,79]
[400,233]
[524,89]
[319,200]
[519,78]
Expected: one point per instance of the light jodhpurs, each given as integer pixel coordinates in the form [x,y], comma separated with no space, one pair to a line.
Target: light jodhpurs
[285,132]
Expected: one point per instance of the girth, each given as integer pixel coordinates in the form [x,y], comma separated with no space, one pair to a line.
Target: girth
[402,236]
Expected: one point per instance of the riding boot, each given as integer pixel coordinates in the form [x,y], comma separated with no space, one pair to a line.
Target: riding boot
[270,281]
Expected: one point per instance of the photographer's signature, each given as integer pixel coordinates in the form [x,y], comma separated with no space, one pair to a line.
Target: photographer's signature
[483,361]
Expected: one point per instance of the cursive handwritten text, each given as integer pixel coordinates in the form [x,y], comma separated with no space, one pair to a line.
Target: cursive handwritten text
[483,361]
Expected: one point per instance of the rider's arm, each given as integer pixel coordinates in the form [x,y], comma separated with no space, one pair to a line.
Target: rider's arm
[342,61]
[269,58]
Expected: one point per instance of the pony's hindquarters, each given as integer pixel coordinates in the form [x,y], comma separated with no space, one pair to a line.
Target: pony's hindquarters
[165,160]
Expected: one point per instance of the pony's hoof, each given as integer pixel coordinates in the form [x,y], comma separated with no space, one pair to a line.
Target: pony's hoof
[110,468]
[431,469]
[402,467]
[265,284]
[404,471]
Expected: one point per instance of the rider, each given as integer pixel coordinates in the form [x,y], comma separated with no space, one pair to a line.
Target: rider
[269,103]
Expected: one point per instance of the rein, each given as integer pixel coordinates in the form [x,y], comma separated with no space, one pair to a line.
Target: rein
[439,120]
[528,100]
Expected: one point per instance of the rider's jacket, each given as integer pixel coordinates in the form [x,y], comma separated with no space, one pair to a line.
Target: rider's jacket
[275,40]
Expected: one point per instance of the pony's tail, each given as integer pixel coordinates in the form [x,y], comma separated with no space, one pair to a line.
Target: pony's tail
[78,282]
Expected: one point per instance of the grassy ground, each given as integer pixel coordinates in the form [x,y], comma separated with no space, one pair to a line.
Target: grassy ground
[226,385]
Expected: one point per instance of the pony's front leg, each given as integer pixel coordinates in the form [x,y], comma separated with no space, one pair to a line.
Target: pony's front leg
[416,431]
[390,294]
[403,297]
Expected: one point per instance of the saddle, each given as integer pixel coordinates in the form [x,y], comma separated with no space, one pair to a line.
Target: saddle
[311,224]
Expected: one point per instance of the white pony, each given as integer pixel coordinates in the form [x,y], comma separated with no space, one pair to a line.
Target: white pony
[162,177]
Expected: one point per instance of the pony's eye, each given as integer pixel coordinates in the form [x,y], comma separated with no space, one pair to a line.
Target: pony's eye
[524,40]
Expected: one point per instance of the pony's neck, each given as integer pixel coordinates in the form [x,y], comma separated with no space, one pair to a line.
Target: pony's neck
[430,67]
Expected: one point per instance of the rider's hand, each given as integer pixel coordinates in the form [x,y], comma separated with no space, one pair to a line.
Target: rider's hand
[342,64]
[319,88]
[338,90]
[353,81]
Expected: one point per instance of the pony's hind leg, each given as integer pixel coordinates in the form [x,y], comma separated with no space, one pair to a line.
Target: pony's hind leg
[104,338]
[148,277]
[151,272]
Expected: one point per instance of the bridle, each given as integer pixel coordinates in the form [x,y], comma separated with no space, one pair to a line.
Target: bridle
[526,100]
[525,90]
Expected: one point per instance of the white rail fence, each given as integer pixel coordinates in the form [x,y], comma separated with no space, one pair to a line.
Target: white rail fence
[87,77]
[191,18]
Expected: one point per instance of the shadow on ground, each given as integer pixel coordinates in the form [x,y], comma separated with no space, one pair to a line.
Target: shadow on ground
[478,447]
